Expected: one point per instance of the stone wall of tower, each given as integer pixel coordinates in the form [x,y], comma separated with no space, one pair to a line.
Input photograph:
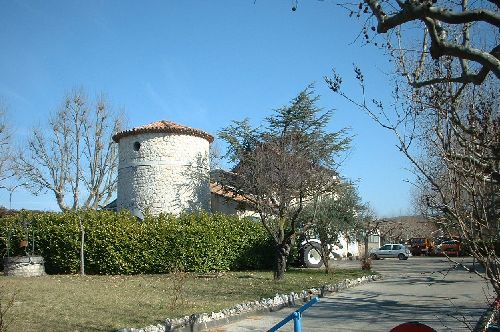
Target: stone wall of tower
[163,173]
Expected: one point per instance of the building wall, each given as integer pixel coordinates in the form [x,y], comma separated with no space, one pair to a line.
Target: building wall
[373,244]
[162,172]
[348,247]
[221,204]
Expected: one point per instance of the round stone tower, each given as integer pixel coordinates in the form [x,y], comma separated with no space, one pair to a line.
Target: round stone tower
[163,168]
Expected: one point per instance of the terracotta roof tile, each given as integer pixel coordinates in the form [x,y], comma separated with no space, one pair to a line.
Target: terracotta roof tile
[163,126]
[217,189]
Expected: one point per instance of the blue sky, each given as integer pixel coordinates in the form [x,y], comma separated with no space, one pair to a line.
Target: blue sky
[200,64]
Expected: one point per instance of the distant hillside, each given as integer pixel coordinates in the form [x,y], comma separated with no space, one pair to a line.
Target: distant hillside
[400,229]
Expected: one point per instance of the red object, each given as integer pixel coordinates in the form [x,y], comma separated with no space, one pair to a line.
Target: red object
[451,248]
[413,327]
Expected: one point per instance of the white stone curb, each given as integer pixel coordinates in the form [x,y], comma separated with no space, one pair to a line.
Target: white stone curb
[198,322]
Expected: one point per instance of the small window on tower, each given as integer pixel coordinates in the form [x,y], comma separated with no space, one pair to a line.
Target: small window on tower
[137,146]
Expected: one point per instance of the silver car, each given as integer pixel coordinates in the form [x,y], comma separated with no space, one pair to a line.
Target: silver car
[394,250]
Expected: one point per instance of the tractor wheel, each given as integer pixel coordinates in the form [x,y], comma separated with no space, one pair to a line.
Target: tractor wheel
[312,258]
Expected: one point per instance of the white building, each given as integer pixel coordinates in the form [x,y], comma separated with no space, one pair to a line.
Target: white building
[163,168]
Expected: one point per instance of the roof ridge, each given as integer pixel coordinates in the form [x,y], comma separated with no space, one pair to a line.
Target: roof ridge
[163,126]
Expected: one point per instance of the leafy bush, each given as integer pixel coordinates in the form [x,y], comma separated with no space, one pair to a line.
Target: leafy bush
[118,243]
[366,263]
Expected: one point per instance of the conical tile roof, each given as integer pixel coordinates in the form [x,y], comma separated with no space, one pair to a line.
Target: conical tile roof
[163,126]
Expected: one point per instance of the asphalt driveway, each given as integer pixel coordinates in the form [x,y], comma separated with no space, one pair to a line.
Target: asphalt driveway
[426,289]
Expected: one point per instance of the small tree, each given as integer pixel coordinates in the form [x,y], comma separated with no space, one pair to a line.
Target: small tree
[76,156]
[82,244]
[282,166]
[367,226]
[330,217]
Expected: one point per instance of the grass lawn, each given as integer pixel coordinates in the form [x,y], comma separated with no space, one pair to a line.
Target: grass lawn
[107,303]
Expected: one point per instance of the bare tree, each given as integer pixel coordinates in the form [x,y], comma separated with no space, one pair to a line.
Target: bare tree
[398,229]
[280,168]
[100,154]
[367,225]
[82,244]
[450,132]
[75,156]
[5,150]
[428,30]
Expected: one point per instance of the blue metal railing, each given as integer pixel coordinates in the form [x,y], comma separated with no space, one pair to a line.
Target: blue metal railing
[296,316]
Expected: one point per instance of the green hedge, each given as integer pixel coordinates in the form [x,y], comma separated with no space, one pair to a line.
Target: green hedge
[118,243]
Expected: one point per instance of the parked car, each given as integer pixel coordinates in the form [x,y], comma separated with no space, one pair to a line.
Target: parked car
[394,250]
[449,248]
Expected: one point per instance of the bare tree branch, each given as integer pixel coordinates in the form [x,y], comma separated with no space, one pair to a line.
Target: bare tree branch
[77,149]
[456,159]
[441,21]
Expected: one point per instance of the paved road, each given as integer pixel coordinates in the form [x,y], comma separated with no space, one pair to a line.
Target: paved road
[425,289]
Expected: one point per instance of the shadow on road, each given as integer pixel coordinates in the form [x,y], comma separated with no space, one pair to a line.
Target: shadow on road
[380,311]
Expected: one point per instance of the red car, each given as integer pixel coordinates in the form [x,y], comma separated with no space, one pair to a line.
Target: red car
[450,248]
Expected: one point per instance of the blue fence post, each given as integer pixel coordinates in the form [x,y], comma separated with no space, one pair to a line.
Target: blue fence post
[297,324]
[296,316]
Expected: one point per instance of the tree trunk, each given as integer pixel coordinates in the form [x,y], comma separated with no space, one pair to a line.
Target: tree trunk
[281,257]
[366,245]
[325,250]
[347,246]
[60,200]
[82,248]
[326,262]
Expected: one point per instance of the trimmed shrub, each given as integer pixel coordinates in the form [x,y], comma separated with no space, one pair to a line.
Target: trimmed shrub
[118,243]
